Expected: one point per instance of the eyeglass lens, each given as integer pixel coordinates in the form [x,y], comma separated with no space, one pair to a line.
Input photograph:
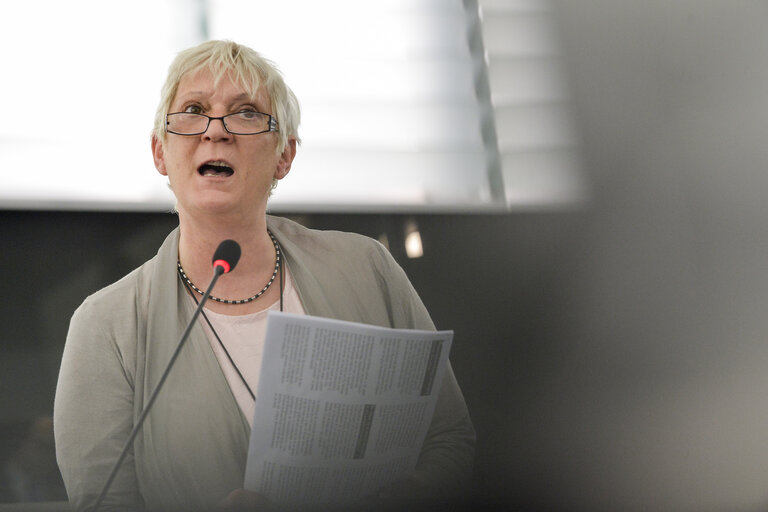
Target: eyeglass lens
[185,123]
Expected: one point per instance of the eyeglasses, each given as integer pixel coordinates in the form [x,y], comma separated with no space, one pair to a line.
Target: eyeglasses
[239,123]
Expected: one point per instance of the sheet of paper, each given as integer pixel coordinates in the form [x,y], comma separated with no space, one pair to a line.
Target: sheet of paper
[342,408]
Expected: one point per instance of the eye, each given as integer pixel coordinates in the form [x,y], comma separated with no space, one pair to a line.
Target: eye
[248,113]
[194,109]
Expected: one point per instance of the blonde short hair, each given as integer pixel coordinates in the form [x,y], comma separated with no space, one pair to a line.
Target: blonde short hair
[249,69]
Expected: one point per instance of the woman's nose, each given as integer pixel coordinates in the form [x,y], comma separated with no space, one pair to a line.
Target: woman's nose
[216,130]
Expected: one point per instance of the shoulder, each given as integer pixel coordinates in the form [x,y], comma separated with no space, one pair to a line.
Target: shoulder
[130,295]
[115,307]
[336,246]
[313,237]
[349,276]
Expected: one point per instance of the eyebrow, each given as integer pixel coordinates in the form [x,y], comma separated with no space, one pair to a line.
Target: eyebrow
[240,97]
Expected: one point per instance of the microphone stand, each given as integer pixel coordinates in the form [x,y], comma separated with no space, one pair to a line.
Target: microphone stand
[217,271]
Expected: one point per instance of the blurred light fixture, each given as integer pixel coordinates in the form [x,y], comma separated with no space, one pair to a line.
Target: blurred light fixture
[413,245]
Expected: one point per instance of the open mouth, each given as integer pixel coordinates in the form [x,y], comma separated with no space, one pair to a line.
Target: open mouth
[218,169]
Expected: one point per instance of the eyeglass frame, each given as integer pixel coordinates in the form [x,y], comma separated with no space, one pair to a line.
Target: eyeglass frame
[272,124]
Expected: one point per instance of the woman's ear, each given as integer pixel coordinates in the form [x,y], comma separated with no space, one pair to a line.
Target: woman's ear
[286,159]
[158,156]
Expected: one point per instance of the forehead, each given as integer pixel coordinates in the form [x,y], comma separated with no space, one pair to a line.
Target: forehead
[202,86]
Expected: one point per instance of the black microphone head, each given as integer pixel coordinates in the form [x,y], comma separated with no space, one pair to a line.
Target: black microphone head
[227,255]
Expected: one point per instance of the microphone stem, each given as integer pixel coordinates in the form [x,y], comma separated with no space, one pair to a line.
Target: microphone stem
[217,271]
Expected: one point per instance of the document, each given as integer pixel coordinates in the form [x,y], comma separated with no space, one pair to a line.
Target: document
[342,408]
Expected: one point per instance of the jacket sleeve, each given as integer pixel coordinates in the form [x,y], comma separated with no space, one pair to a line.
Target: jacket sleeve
[93,414]
[444,468]
[447,456]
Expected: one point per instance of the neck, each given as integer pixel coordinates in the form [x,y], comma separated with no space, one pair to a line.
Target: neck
[199,240]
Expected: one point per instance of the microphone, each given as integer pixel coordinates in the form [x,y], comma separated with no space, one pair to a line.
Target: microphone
[224,260]
[226,257]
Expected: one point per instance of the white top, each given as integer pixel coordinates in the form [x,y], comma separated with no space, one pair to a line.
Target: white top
[243,335]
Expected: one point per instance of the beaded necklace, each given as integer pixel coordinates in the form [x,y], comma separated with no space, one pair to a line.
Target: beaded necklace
[241,301]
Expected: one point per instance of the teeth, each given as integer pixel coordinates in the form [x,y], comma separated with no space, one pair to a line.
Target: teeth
[217,163]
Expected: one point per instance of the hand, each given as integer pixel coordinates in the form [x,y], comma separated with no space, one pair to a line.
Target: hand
[241,500]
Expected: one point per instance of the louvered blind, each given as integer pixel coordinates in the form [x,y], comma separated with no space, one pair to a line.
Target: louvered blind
[539,157]
[390,117]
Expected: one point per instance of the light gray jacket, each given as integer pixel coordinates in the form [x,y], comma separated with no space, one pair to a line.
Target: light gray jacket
[191,451]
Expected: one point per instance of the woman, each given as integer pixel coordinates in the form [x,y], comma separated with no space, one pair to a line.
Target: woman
[225,132]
